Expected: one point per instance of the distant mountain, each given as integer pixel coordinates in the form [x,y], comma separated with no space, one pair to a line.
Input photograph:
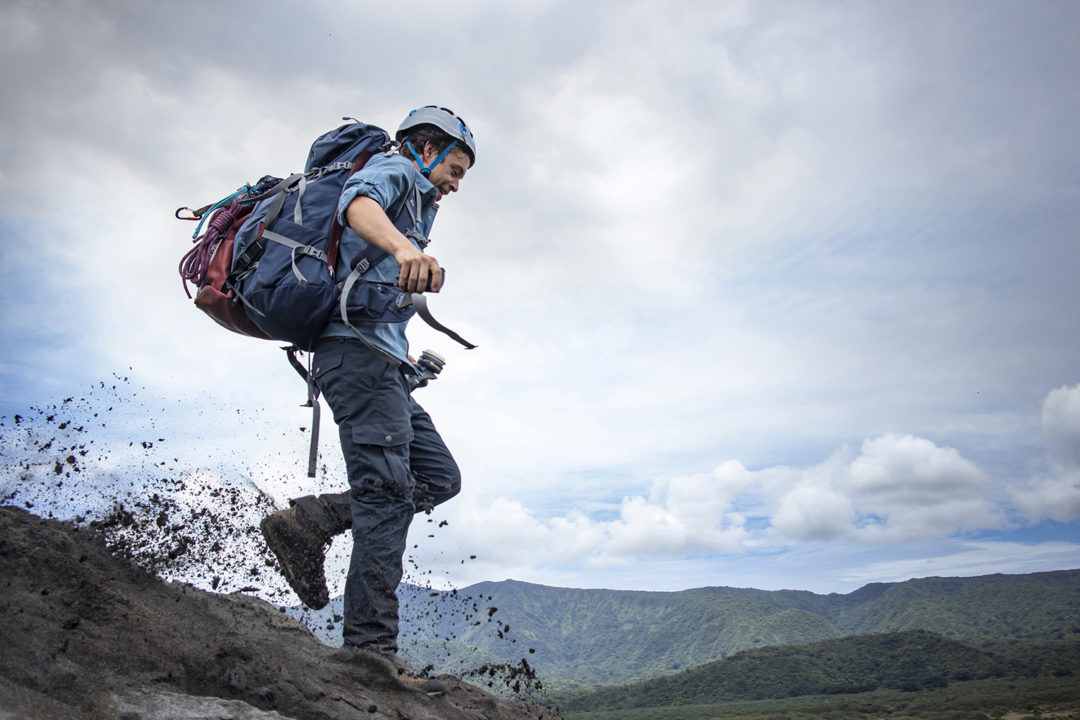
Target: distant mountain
[592,637]
[911,660]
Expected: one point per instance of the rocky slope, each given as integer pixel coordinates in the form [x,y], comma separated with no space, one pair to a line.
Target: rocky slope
[84,634]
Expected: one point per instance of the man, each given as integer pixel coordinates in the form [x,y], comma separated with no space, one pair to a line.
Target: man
[396,461]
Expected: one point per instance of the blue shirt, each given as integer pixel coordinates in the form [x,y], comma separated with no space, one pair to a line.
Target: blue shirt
[395,183]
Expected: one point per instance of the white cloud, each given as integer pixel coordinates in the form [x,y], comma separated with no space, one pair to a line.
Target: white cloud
[911,472]
[646,529]
[1056,497]
[810,512]
[1061,425]
[916,489]
[683,516]
[689,514]
[896,488]
[701,498]
[1056,494]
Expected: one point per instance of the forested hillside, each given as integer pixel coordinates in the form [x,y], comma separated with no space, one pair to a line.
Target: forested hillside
[591,637]
[912,660]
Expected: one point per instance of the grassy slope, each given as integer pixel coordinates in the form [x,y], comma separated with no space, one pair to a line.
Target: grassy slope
[977,700]
[912,660]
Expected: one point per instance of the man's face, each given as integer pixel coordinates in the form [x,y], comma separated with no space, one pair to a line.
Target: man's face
[447,175]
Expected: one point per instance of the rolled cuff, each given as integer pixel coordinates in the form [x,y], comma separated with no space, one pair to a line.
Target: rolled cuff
[362,188]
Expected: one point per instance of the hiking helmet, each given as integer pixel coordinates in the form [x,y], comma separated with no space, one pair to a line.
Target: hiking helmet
[444,119]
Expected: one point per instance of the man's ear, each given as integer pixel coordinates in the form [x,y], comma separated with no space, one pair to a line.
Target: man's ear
[430,152]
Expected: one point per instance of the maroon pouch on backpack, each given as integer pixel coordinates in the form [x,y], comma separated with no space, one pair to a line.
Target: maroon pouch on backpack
[208,265]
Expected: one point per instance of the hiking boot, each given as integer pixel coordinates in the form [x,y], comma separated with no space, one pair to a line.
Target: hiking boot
[300,549]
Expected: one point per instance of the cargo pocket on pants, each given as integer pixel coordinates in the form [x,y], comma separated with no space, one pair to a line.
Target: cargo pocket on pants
[381,471]
[390,431]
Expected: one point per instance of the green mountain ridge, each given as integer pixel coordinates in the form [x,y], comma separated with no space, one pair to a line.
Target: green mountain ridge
[593,637]
[911,660]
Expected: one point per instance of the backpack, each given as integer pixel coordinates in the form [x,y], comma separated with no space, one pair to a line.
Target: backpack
[265,266]
[270,251]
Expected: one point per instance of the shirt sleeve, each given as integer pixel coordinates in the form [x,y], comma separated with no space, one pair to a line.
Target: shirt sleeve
[384,183]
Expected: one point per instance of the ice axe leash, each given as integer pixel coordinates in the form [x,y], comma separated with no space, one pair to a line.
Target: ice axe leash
[312,402]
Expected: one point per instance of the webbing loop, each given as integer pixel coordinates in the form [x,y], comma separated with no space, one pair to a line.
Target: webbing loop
[298,213]
[420,303]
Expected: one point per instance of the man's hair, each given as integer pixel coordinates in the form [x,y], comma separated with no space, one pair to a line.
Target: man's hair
[421,135]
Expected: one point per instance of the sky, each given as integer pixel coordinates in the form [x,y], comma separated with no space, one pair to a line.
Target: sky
[775,295]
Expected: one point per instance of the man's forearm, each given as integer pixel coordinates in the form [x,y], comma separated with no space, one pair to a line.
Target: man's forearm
[367,218]
[417,272]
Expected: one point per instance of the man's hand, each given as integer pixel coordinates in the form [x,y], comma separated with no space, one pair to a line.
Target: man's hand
[419,272]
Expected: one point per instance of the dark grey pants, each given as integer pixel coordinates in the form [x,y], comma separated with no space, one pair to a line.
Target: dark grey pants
[397,465]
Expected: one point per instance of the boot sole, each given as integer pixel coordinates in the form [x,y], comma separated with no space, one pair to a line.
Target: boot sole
[276,535]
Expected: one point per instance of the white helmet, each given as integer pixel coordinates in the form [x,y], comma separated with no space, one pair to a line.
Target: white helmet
[445,120]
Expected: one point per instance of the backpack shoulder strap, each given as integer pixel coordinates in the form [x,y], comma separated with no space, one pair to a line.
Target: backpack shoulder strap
[336,228]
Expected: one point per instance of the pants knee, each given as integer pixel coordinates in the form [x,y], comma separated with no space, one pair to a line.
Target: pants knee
[454,486]
[436,488]
[451,481]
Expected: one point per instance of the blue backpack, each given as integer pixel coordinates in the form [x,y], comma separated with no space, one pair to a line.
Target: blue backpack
[265,267]
[285,253]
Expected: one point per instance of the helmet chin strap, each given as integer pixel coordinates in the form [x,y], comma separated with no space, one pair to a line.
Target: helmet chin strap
[425,169]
